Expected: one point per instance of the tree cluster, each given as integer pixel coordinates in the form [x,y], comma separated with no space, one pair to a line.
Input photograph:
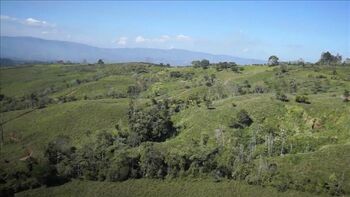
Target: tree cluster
[201,64]
[327,58]
[226,65]
[153,124]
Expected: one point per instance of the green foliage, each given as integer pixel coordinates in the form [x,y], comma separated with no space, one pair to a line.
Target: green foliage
[155,188]
[152,125]
[241,120]
[227,65]
[328,58]
[100,61]
[152,163]
[273,60]
[201,64]
[302,99]
[59,149]
[133,91]
[282,97]
[168,132]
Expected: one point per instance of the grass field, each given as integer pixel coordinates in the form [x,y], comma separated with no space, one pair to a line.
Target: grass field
[310,144]
[150,188]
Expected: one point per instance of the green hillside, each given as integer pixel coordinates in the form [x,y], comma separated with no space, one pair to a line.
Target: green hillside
[140,129]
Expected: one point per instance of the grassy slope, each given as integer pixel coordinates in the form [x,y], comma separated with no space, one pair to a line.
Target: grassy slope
[147,187]
[25,80]
[72,119]
[36,128]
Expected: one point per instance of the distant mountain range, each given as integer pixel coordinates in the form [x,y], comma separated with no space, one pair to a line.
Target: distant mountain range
[37,49]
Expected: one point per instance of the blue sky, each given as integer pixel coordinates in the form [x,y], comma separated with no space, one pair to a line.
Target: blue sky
[290,30]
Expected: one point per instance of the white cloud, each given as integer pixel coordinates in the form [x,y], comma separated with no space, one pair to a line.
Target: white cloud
[37,23]
[28,22]
[122,41]
[245,50]
[140,39]
[7,18]
[182,37]
[162,39]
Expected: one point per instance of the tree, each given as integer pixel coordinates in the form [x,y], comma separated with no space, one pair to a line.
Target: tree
[100,61]
[59,149]
[205,63]
[328,58]
[152,162]
[273,60]
[153,124]
[234,67]
[196,64]
[226,65]
[201,63]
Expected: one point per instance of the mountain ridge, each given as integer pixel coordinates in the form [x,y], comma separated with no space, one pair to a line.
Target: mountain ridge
[39,49]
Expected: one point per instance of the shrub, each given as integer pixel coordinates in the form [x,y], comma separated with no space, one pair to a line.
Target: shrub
[152,163]
[58,149]
[209,104]
[133,91]
[119,169]
[346,96]
[241,120]
[175,74]
[282,97]
[150,125]
[260,89]
[284,69]
[302,99]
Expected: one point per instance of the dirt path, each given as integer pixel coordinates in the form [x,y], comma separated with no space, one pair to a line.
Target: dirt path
[71,92]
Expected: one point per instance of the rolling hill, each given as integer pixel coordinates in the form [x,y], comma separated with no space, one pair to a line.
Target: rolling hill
[235,133]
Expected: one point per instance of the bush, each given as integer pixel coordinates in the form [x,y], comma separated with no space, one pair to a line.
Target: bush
[282,97]
[150,125]
[175,74]
[346,96]
[152,163]
[241,120]
[119,169]
[59,149]
[133,91]
[209,104]
[302,99]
